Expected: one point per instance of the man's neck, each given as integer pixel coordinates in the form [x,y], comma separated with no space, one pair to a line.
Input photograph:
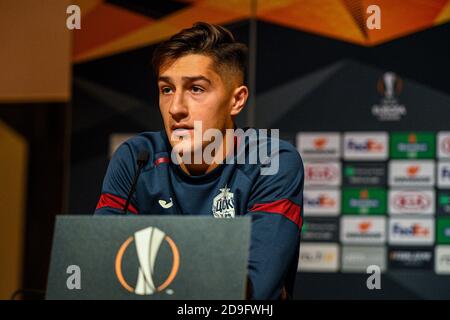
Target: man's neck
[198,169]
[203,168]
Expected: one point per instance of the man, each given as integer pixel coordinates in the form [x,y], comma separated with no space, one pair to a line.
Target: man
[200,74]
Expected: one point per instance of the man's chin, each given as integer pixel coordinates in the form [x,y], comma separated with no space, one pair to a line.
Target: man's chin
[188,151]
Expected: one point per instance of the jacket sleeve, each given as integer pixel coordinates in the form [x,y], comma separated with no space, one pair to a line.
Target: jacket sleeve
[275,206]
[117,183]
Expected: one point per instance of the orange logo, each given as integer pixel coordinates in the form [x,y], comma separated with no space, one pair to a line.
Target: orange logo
[320,143]
[364,194]
[147,243]
[364,226]
[412,138]
[413,170]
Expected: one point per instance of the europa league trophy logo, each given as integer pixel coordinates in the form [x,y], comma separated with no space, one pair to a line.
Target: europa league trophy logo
[390,86]
[389,109]
[389,80]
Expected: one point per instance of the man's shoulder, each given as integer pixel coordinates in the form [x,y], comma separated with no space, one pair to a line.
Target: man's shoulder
[266,146]
[278,176]
[265,137]
[153,142]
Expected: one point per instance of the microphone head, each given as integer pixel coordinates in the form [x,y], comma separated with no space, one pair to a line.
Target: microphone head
[143,157]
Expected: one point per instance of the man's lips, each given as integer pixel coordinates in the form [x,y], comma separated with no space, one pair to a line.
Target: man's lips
[181,131]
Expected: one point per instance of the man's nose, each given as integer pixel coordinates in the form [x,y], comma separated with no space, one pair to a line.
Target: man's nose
[178,109]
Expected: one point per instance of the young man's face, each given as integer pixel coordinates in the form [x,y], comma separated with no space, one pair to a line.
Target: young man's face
[191,89]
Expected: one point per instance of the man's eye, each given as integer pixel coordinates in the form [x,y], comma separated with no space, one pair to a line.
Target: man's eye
[166,90]
[196,89]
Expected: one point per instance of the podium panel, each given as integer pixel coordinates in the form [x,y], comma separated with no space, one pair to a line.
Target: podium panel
[151,257]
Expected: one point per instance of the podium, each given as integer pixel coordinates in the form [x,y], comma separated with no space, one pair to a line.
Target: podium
[149,257]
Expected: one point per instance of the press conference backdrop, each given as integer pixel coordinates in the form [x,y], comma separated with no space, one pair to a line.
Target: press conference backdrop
[368,111]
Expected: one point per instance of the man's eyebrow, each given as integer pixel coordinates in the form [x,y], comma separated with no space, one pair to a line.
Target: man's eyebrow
[185,78]
[196,78]
[165,79]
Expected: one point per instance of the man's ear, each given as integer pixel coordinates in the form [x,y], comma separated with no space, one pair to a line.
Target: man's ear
[240,96]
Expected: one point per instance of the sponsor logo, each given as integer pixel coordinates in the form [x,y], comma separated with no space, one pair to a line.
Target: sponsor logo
[316,257]
[223,204]
[364,174]
[411,201]
[364,201]
[412,145]
[442,260]
[320,229]
[364,230]
[319,145]
[389,108]
[443,230]
[165,204]
[358,258]
[366,146]
[443,204]
[322,173]
[443,150]
[411,231]
[147,243]
[410,173]
[444,175]
[410,258]
[321,202]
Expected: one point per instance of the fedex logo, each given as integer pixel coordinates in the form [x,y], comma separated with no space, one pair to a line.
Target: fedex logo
[444,175]
[417,231]
[366,146]
[323,202]
[413,230]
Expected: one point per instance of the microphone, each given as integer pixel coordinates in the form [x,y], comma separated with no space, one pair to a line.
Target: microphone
[141,162]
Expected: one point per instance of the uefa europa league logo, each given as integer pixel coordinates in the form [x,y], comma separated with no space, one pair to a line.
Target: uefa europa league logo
[389,80]
[147,244]
[389,109]
[390,85]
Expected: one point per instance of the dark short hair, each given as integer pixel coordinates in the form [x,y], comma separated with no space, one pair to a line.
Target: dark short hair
[207,39]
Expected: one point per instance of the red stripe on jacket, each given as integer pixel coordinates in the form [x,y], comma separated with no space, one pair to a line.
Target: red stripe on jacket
[161,160]
[284,207]
[111,201]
